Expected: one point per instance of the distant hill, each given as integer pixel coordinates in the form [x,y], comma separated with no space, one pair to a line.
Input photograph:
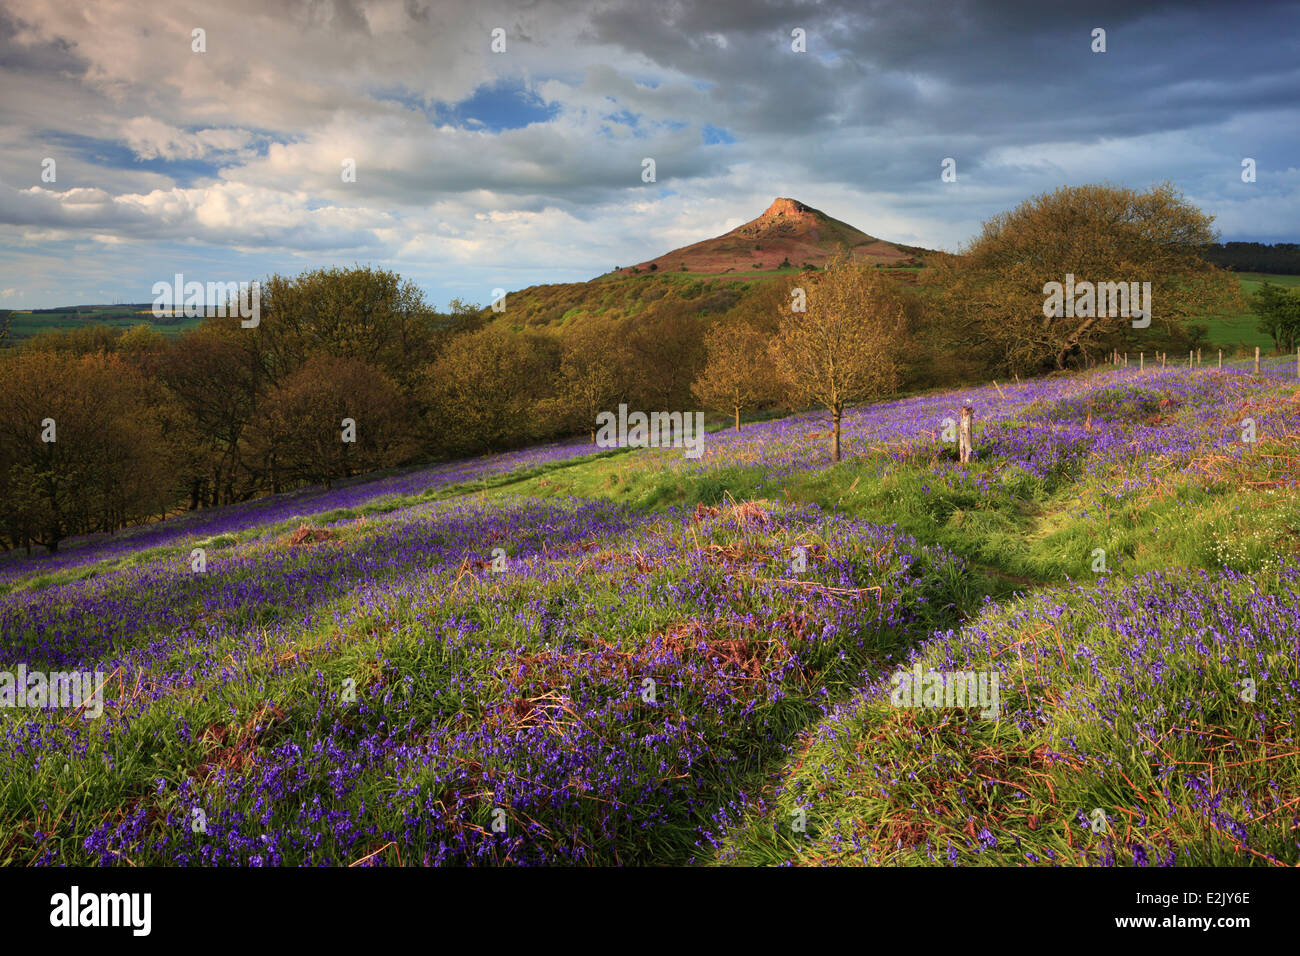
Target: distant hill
[714,275]
[788,233]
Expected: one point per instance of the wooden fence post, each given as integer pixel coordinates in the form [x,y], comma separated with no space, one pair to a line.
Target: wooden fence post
[964,442]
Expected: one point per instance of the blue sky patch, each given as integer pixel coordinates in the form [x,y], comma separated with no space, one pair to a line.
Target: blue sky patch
[507,104]
[117,155]
[714,135]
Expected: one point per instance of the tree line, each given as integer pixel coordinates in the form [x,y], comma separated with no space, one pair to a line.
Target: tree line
[102,428]
[1281,258]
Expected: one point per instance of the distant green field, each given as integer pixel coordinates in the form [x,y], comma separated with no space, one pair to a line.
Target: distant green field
[25,324]
[1240,328]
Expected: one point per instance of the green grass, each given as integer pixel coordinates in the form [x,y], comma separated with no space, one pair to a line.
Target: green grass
[1239,329]
[1251,281]
[943,787]
[1018,528]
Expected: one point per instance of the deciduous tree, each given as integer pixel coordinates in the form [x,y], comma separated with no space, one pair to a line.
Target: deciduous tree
[738,371]
[591,378]
[1279,314]
[839,350]
[300,431]
[482,388]
[81,449]
[1097,234]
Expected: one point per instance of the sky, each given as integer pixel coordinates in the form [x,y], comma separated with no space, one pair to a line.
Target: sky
[504,145]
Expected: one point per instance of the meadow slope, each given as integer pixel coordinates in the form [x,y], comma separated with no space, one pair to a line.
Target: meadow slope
[564,656]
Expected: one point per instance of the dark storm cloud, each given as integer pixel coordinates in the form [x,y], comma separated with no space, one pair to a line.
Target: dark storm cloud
[1007,72]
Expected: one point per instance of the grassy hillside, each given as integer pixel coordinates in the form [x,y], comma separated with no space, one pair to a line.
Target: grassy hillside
[620,297]
[634,657]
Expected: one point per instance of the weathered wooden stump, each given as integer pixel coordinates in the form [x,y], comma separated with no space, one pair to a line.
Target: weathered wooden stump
[964,443]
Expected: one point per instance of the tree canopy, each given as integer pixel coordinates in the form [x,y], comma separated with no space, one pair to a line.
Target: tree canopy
[1090,234]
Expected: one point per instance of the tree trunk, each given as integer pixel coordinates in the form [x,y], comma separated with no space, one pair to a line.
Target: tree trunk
[1073,340]
[837,414]
[737,418]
